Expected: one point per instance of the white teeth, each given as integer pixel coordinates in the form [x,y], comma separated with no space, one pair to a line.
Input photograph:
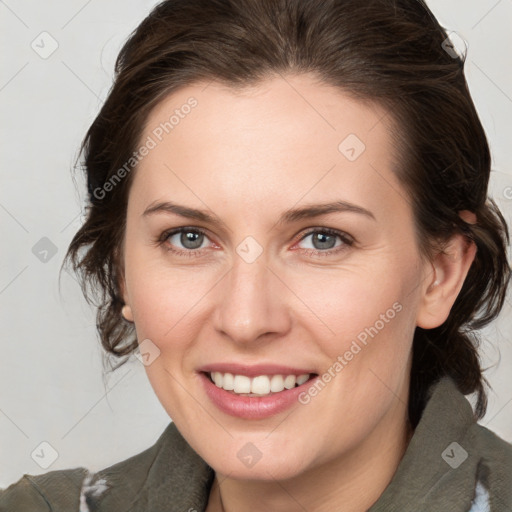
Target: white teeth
[217,378]
[302,378]
[261,385]
[276,383]
[289,381]
[228,382]
[242,384]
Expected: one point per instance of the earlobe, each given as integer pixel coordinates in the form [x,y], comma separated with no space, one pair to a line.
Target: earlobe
[126,311]
[443,285]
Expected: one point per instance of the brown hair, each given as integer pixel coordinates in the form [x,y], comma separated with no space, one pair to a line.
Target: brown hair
[392,52]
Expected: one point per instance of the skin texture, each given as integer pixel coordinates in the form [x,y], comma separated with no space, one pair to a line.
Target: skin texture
[246,157]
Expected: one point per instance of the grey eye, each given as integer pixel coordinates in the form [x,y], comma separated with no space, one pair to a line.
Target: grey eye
[189,239]
[321,240]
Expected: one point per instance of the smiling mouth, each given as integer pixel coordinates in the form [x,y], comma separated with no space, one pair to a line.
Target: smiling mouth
[261,385]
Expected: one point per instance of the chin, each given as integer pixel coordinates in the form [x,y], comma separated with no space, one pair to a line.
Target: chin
[251,463]
[262,471]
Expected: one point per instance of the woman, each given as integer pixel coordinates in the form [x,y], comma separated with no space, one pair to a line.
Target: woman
[289,222]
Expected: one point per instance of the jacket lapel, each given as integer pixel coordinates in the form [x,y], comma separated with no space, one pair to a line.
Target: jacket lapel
[439,466]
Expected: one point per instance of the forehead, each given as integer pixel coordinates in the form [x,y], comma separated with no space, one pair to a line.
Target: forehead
[284,139]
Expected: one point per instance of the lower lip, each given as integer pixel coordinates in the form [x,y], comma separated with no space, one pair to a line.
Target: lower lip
[253,407]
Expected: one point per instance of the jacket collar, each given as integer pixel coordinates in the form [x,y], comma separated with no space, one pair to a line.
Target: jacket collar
[438,468]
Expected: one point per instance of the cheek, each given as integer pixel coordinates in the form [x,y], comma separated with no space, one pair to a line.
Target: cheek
[165,301]
[167,304]
[345,300]
[367,310]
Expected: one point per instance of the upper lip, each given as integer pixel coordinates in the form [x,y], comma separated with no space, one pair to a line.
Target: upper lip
[254,370]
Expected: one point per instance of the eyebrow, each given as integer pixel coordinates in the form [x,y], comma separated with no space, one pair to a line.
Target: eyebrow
[289,216]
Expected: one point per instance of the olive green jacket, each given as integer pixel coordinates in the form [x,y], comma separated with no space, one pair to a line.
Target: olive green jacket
[449,457]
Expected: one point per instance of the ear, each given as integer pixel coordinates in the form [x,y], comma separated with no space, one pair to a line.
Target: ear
[450,268]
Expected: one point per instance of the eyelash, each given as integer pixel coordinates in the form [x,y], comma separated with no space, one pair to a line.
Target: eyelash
[347,240]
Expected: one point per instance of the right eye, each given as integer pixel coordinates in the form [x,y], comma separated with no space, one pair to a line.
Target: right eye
[185,241]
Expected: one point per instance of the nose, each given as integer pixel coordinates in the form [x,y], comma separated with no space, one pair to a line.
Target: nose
[253,303]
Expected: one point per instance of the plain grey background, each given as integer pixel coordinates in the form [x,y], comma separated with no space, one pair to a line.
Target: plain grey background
[56,70]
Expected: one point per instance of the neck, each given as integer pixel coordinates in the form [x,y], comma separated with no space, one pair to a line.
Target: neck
[356,479]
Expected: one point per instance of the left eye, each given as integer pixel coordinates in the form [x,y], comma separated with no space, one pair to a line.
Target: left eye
[322,240]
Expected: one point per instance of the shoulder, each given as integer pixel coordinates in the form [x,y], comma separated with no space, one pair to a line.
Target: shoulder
[63,490]
[30,492]
[169,472]
[495,464]
[496,448]
[495,453]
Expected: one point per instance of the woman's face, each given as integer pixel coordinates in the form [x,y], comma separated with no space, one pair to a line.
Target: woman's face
[266,290]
